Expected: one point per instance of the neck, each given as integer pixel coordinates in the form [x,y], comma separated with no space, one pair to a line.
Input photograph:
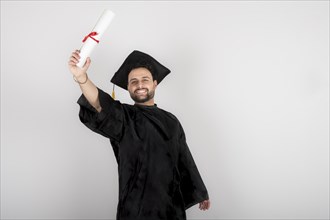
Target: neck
[150,102]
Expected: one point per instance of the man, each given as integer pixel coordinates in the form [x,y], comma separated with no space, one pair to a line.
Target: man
[158,178]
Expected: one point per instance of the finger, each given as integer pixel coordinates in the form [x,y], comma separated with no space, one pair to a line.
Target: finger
[201,206]
[76,52]
[87,63]
[72,63]
[74,60]
[76,55]
[204,206]
[208,204]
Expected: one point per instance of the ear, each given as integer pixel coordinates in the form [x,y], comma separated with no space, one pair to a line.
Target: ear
[155,83]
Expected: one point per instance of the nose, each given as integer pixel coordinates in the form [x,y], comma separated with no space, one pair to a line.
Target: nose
[140,85]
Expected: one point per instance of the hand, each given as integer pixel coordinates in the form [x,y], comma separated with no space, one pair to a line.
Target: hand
[74,69]
[205,205]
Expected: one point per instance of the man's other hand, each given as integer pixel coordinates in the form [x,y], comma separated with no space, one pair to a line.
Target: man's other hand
[205,205]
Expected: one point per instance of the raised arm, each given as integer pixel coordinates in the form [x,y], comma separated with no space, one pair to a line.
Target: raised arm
[87,87]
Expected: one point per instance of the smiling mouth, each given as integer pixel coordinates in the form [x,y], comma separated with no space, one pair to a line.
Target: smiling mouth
[141,91]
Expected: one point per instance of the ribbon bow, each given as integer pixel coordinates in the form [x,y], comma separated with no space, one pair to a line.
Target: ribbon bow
[91,34]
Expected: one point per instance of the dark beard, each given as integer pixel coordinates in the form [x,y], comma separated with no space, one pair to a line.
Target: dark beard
[146,98]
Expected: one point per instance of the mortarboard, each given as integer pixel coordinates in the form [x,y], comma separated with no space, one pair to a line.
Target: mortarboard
[139,59]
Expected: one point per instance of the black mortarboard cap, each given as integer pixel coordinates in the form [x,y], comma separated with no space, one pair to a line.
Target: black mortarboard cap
[139,59]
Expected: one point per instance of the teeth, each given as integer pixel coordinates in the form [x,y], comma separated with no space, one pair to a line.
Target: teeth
[141,91]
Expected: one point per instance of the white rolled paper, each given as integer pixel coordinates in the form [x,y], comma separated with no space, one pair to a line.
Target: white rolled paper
[91,40]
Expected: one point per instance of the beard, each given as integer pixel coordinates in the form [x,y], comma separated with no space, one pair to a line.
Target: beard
[142,98]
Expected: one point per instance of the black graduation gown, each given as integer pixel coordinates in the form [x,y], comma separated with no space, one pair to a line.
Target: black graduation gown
[158,178]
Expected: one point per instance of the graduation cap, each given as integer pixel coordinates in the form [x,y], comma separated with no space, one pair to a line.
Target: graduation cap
[138,59]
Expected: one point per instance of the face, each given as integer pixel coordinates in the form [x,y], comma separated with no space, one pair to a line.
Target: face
[141,86]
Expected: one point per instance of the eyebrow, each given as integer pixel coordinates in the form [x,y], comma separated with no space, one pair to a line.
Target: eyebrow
[144,77]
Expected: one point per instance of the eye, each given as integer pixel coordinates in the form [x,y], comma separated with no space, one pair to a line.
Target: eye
[133,82]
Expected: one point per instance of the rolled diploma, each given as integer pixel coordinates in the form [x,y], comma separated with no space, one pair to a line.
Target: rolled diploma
[100,27]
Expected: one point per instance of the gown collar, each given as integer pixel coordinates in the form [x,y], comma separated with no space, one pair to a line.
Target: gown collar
[146,106]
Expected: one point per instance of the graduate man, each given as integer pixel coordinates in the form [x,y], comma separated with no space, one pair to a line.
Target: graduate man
[158,178]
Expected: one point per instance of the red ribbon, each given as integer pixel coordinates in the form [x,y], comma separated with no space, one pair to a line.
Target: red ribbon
[91,34]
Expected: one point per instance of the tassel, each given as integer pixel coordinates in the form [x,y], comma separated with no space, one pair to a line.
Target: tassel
[113,95]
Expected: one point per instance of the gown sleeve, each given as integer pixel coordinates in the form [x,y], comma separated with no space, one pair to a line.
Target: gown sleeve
[191,183]
[108,122]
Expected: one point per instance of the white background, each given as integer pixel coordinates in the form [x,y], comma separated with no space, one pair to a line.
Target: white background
[249,83]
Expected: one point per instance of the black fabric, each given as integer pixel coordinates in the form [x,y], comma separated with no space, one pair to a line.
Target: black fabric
[158,178]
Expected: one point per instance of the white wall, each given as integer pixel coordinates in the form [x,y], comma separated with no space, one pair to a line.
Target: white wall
[249,82]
